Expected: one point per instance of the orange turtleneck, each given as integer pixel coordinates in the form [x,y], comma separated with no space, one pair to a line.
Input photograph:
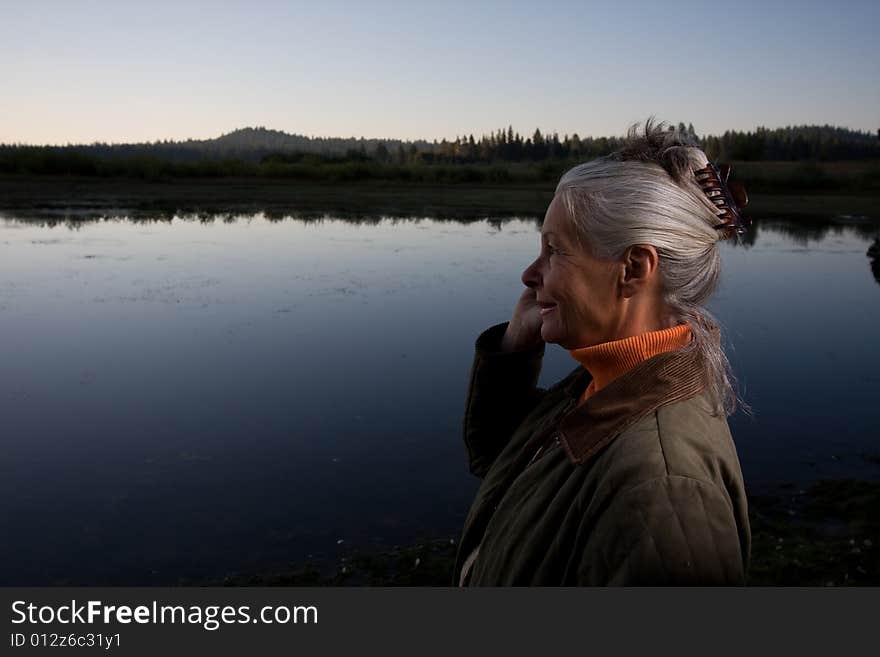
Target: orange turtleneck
[607,361]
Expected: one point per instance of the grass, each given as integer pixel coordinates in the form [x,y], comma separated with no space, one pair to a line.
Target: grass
[856,176]
[90,196]
[85,198]
[779,176]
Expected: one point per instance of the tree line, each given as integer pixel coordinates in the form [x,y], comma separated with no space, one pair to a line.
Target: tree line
[501,156]
[799,143]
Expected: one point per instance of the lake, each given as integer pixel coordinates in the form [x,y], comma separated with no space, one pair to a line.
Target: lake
[193,397]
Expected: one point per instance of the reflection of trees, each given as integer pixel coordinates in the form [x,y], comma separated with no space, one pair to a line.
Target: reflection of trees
[73,221]
[747,240]
[804,231]
[801,231]
[874,257]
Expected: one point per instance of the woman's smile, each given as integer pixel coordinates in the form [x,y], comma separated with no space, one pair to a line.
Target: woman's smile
[546,308]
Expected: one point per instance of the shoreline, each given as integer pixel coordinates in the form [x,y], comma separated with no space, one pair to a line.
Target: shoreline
[825,535]
[82,198]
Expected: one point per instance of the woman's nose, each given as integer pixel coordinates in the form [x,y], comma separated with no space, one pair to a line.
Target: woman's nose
[531,276]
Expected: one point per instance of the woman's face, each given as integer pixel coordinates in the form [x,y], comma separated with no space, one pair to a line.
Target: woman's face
[576,292]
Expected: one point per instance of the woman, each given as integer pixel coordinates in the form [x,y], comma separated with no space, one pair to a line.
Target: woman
[625,471]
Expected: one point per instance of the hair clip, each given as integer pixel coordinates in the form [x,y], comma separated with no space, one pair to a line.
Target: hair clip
[730,198]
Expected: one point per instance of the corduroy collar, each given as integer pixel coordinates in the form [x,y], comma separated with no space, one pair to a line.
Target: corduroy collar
[667,377]
[609,360]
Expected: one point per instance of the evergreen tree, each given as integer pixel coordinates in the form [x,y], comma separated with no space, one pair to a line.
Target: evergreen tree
[382,154]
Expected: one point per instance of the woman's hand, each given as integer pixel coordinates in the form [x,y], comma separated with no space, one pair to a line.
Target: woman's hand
[524,329]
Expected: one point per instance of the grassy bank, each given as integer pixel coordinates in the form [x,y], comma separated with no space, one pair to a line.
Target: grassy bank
[79,197]
[83,196]
[826,535]
[852,177]
[857,175]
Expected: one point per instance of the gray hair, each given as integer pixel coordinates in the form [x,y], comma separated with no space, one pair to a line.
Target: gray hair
[646,193]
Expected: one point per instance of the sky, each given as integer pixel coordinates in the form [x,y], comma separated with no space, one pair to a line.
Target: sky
[80,71]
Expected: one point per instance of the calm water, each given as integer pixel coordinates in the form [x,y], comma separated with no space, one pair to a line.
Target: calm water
[182,400]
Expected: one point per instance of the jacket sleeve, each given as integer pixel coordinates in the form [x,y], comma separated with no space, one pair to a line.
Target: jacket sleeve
[671,530]
[503,390]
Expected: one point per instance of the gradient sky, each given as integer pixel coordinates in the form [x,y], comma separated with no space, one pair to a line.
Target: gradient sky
[80,72]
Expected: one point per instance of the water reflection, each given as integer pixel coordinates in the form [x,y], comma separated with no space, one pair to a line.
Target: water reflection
[189,396]
[801,231]
[79,221]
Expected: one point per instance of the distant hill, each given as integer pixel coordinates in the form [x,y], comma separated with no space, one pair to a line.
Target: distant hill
[259,145]
[266,140]
[246,144]
[258,138]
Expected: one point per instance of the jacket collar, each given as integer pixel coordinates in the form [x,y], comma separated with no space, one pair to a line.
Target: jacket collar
[609,360]
[667,377]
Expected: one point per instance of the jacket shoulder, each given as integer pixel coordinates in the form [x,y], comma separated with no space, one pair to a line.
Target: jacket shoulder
[680,439]
[695,442]
[670,503]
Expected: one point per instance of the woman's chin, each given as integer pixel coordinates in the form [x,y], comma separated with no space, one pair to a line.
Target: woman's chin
[550,334]
[553,335]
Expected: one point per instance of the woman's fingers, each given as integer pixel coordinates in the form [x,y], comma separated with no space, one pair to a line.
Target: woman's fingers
[524,328]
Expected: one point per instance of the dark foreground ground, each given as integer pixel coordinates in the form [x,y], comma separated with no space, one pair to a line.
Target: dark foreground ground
[826,535]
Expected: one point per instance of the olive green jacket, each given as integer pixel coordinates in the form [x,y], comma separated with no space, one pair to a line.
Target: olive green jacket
[639,485]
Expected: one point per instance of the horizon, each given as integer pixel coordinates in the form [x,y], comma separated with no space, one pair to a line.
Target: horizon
[524,134]
[123,74]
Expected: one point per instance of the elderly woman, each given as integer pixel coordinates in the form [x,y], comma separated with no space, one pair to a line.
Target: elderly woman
[625,471]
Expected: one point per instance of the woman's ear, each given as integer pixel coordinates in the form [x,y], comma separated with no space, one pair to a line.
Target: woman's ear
[639,268]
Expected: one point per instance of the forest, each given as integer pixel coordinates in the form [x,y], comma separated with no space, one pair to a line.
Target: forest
[799,157]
